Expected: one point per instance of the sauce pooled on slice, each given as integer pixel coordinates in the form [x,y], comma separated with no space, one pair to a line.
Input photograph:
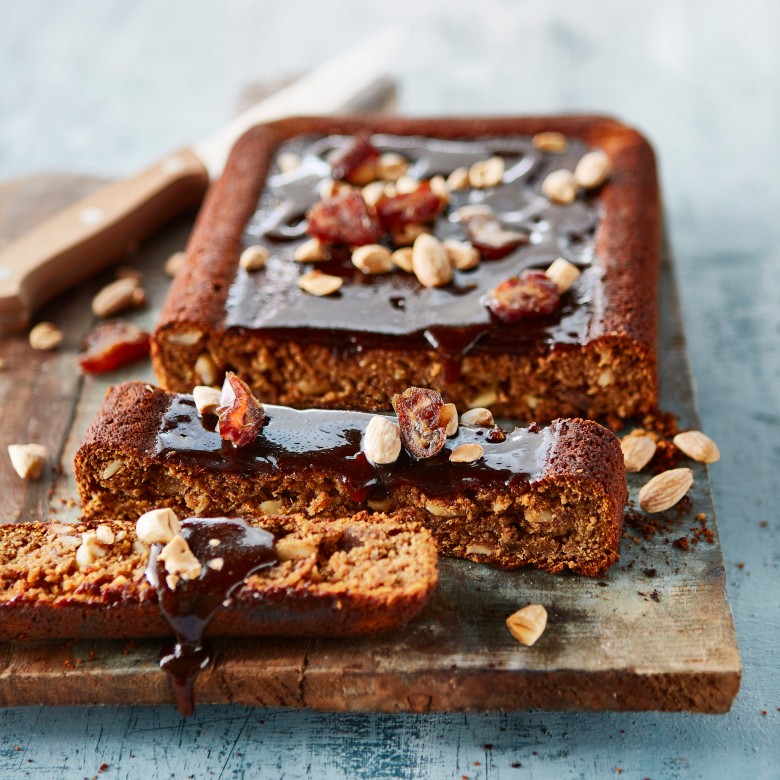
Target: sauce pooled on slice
[190,605]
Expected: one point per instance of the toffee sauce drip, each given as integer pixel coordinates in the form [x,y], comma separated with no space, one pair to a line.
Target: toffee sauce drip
[316,441]
[393,311]
[189,607]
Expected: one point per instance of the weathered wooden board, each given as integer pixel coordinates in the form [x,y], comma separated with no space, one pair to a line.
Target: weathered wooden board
[628,642]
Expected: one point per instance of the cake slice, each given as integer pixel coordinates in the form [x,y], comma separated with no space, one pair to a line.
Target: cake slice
[510,263]
[330,578]
[551,498]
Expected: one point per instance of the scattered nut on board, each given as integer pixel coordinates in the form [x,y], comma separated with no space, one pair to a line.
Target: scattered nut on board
[637,452]
[45,336]
[119,296]
[664,490]
[698,446]
[527,624]
[28,460]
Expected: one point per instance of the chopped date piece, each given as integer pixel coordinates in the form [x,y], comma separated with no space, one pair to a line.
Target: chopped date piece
[423,431]
[345,219]
[496,435]
[421,205]
[488,235]
[240,414]
[532,294]
[111,345]
[347,162]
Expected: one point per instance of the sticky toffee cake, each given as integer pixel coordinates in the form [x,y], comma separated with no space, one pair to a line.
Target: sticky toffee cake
[552,498]
[509,263]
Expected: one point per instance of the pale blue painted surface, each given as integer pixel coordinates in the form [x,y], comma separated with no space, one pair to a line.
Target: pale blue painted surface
[103,88]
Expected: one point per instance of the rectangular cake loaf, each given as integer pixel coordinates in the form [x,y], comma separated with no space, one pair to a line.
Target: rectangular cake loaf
[551,498]
[509,263]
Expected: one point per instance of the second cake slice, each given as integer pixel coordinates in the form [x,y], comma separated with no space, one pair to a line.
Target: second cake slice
[551,498]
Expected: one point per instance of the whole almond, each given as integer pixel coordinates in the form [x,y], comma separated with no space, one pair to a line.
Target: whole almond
[637,452]
[664,490]
[560,187]
[382,440]
[45,336]
[430,262]
[117,297]
[528,624]
[593,169]
[550,141]
[372,259]
[319,284]
[466,453]
[697,445]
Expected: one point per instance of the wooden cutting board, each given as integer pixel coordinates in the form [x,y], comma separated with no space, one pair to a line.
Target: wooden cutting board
[656,633]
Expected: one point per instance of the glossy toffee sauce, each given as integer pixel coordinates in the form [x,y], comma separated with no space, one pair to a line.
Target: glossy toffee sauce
[393,311]
[189,607]
[316,441]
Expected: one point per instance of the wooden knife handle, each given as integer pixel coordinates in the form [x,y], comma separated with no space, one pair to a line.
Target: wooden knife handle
[86,237]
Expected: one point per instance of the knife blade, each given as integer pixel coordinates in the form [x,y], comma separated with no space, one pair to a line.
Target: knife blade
[94,232]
